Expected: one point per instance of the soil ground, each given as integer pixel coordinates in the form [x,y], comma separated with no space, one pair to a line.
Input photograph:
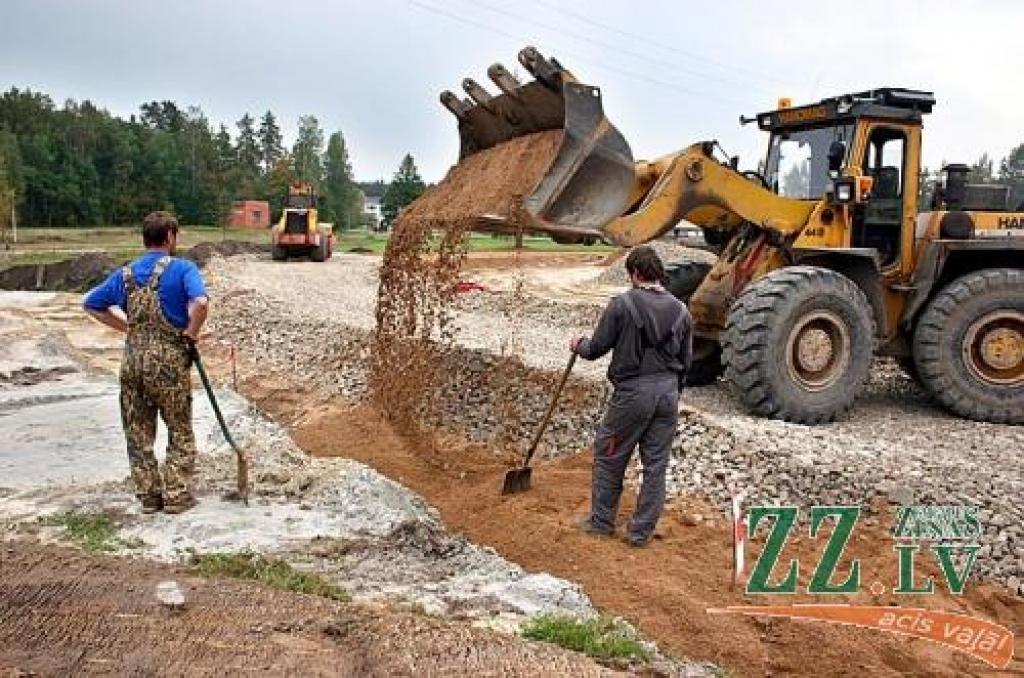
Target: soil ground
[68,613]
[664,589]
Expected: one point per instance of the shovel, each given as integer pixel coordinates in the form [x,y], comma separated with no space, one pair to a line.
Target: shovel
[518,479]
[240,454]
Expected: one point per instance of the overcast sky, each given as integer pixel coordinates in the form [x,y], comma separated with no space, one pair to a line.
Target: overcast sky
[672,72]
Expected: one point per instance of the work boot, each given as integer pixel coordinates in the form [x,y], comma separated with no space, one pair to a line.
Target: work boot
[584,525]
[638,540]
[180,505]
[152,503]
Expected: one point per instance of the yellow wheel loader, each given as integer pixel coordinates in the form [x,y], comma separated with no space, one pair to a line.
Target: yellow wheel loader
[825,257]
[299,231]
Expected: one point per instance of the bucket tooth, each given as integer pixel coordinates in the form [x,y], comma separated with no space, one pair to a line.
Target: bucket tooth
[478,94]
[591,178]
[505,81]
[550,73]
[458,107]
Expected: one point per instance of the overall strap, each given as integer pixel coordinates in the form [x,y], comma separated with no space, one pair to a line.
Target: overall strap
[627,299]
[158,270]
[129,279]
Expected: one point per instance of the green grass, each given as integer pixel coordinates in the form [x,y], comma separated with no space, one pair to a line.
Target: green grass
[347,240]
[91,531]
[50,245]
[475,242]
[602,638]
[274,573]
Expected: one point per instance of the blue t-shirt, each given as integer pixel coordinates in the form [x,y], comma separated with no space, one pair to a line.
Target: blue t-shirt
[180,285]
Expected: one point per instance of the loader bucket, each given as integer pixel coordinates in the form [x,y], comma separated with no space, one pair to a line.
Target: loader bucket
[590,178]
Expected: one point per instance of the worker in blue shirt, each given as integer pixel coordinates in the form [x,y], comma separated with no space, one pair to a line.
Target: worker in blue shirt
[163,305]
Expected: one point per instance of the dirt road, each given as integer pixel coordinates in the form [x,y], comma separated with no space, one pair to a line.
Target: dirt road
[65,612]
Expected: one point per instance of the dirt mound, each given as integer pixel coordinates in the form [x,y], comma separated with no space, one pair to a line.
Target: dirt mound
[90,269]
[73,275]
[488,182]
[204,251]
[66,613]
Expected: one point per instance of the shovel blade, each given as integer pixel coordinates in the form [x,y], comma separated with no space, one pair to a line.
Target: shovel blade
[243,475]
[517,480]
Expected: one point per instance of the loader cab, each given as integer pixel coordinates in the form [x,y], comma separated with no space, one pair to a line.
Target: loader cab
[868,139]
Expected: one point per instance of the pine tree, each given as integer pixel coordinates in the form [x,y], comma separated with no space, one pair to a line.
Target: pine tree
[271,143]
[981,170]
[278,179]
[249,157]
[309,145]
[1011,173]
[7,186]
[340,193]
[405,187]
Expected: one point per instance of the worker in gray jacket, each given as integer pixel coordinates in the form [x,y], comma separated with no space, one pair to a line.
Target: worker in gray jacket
[649,333]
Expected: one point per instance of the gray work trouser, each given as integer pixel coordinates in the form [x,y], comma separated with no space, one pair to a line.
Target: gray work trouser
[643,412]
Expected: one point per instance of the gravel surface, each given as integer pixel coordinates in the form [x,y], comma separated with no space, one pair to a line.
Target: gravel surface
[896,445]
[670,252]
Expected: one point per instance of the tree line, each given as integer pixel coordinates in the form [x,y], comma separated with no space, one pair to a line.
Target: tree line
[78,165]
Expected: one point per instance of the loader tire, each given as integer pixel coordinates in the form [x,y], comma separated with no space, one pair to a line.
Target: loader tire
[706,366]
[685,277]
[909,368]
[278,253]
[798,344]
[969,346]
[319,253]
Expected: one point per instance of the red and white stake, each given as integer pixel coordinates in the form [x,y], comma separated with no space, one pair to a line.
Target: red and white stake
[739,540]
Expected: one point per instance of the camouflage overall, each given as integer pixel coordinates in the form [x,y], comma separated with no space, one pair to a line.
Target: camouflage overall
[156,378]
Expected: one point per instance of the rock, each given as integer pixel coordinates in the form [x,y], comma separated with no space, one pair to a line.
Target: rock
[170,594]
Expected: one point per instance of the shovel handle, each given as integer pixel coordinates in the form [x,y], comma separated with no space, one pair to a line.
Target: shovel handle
[194,353]
[551,408]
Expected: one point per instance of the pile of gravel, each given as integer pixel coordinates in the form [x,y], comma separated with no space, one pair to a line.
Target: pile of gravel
[204,251]
[669,252]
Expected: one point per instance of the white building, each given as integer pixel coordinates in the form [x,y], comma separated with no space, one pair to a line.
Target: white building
[371,209]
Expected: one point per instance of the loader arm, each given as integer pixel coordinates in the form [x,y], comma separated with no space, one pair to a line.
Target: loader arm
[692,185]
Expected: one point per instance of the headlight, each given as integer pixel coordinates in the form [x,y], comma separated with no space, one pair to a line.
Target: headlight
[843,190]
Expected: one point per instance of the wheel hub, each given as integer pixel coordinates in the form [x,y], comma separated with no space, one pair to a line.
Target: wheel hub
[818,350]
[994,348]
[814,349]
